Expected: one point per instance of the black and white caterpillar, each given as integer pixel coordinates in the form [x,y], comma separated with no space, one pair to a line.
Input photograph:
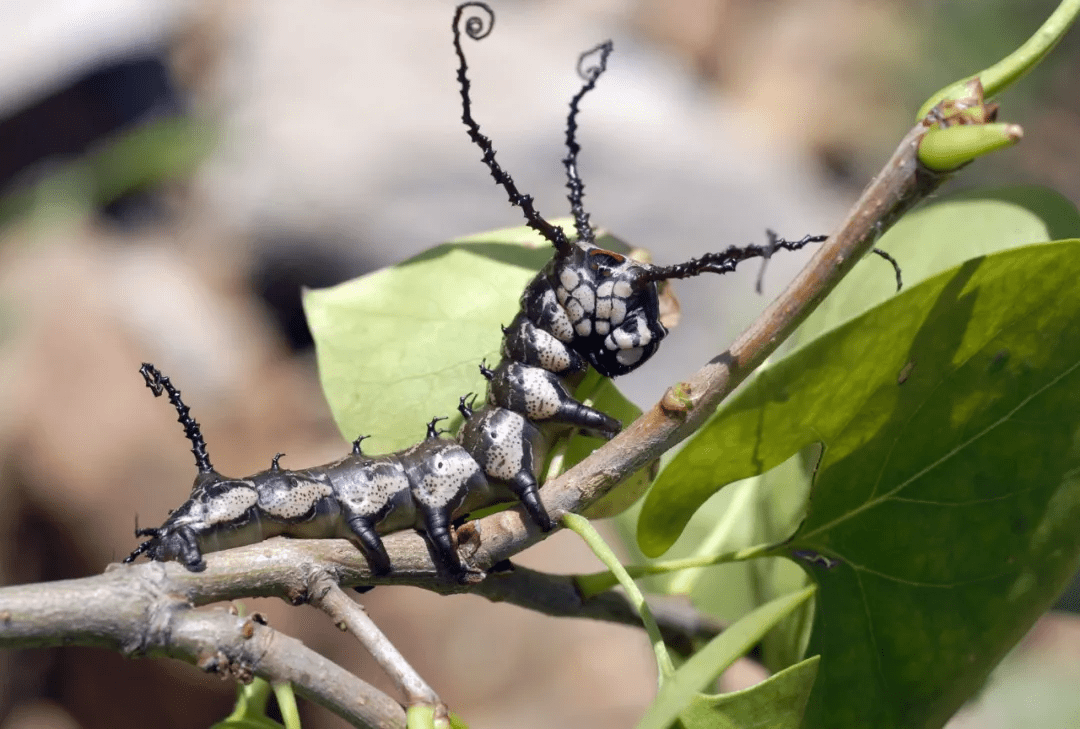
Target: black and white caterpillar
[587,307]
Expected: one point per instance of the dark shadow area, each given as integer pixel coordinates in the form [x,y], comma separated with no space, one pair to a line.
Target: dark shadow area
[284,265]
[69,122]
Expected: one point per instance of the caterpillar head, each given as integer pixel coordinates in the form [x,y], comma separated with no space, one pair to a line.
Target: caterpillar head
[611,307]
[168,543]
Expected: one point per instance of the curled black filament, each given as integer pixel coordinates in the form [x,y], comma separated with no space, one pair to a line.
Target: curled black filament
[590,65]
[477,29]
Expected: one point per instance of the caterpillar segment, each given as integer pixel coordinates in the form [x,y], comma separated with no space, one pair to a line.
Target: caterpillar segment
[588,306]
[357,497]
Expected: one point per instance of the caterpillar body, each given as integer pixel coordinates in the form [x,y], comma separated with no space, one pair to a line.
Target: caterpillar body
[588,307]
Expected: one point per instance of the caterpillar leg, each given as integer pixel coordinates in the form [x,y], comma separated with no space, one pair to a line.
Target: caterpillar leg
[506,446]
[190,555]
[437,526]
[441,474]
[526,488]
[539,395]
[370,544]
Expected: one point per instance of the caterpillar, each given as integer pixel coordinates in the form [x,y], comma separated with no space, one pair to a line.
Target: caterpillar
[588,307]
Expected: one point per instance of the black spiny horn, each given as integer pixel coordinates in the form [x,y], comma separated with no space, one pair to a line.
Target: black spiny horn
[725,261]
[432,430]
[892,262]
[158,382]
[477,28]
[467,406]
[590,73]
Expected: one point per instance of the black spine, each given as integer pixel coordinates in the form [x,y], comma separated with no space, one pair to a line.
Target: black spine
[590,73]
[892,261]
[467,405]
[725,261]
[477,29]
[156,382]
[432,430]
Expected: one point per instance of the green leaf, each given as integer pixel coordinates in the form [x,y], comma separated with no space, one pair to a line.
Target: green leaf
[706,665]
[939,236]
[399,346]
[778,702]
[943,517]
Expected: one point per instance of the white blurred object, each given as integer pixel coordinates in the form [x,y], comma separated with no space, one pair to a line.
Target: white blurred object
[45,44]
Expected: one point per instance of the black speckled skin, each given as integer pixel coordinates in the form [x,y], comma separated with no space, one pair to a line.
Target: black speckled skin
[510,450]
[357,498]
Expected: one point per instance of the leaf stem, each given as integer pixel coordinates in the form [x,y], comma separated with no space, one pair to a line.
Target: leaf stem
[1016,65]
[581,526]
[593,584]
[286,701]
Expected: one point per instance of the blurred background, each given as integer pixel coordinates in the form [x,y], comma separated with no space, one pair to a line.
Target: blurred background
[171,173]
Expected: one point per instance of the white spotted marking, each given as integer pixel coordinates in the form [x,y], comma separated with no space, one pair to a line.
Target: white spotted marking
[293,497]
[542,400]
[618,312]
[605,289]
[551,352]
[505,454]
[569,278]
[628,357]
[230,504]
[586,298]
[558,322]
[623,339]
[367,490]
[444,479]
[602,326]
[575,311]
[622,289]
[583,328]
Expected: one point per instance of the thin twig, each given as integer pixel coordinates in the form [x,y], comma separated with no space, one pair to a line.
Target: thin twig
[349,615]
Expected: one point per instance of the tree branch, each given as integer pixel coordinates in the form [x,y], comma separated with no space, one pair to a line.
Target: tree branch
[137,613]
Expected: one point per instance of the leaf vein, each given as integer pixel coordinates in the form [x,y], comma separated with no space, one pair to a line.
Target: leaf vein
[889,495]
